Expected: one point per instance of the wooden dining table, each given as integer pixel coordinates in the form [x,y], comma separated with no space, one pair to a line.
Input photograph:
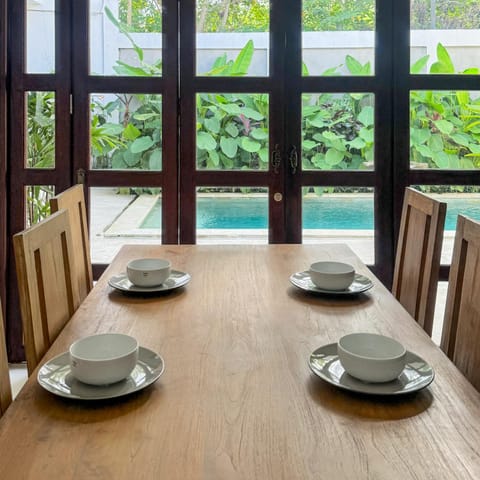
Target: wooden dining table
[237,399]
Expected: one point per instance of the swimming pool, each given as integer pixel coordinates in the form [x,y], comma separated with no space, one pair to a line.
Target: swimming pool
[325,212]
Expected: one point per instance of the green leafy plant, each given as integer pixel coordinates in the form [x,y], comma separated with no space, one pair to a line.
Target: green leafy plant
[444,125]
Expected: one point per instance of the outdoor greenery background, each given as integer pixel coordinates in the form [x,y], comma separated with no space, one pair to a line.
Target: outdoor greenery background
[232,129]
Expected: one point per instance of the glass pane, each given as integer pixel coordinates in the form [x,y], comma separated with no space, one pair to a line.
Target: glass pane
[37,205]
[232,37]
[40,32]
[340,214]
[338,131]
[120,215]
[232,131]
[445,130]
[444,36]
[460,199]
[40,130]
[126,131]
[338,37]
[232,215]
[126,38]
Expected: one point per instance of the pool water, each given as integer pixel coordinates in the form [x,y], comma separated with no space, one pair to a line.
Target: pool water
[327,213]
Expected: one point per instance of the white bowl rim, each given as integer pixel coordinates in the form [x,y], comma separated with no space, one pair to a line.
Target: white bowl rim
[106,359]
[376,359]
[343,268]
[156,264]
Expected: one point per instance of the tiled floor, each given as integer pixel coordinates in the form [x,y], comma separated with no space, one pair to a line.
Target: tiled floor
[18,377]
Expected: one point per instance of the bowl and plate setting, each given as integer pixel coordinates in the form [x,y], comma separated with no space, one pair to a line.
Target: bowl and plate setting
[101,366]
[149,275]
[371,364]
[332,278]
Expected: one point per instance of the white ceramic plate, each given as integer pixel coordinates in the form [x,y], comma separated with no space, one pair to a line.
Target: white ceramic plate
[55,376]
[360,284]
[175,280]
[325,364]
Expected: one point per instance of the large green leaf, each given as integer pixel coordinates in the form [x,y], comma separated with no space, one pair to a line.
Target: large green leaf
[419,135]
[366,116]
[435,143]
[252,114]
[214,158]
[333,157]
[131,159]
[461,139]
[357,143]
[366,134]
[205,141]
[425,151]
[212,124]
[250,145]
[229,146]
[131,132]
[263,154]
[232,129]
[444,57]
[155,160]
[259,134]
[308,145]
[419,65]
[242,63]
[444,126]
[141,144]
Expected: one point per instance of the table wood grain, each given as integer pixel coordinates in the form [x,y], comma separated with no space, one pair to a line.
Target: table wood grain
[237,399]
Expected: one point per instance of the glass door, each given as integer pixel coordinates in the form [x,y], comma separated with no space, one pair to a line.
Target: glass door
[339,116]
[231,129]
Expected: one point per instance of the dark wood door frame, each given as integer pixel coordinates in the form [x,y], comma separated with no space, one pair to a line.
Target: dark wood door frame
[3,155]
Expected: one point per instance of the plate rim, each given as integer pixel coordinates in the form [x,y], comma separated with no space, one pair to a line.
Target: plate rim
[371,389]
[156,289]
[60,393]
[316,289]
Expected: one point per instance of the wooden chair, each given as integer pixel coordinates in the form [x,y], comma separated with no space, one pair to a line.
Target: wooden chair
[417,261]
[5,387]
[48,291]
[461,326]
[73,200]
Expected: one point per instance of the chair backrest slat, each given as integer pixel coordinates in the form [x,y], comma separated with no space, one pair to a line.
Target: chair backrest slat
[417,262]
[73,200]
[461,326]
[48,293]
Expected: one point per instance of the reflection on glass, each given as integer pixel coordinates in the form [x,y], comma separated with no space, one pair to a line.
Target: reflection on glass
[338,37]
[40,130]
[232,215]
[340,214]
[232,131]
[338,131]
[460,200]
[444,36]
[445,129]
[232,37]
[37,203]
[120,215]
[125,38]
[40,33]
[126,131]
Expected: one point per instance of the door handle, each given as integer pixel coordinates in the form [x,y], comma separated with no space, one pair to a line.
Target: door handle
[276,158]
[293,159]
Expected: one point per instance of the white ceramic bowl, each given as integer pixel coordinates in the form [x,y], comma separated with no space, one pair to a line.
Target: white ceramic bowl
[104,358]
[371,357]
[332,275]
[148,272]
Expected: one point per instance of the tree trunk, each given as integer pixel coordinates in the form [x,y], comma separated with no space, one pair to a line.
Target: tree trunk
[223,21]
